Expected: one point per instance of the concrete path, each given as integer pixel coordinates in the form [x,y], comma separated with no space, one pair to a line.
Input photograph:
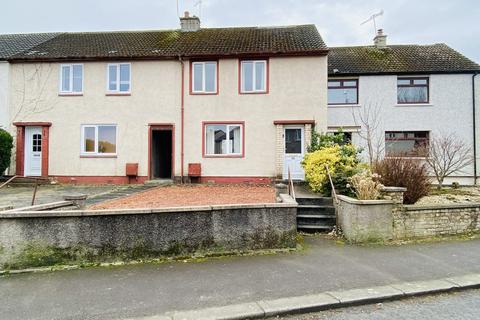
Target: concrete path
[22,196]
[144,290]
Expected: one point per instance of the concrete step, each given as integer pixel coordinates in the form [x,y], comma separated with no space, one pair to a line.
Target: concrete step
[315,209]
[316,216]
[319,201]
[158,182]
[314,227]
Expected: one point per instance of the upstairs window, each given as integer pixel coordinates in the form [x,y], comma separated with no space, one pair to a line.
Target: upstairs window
[119,78]
[412,90]
[223,139]
[253,74]
[342,91]
[71,78]
[99,140]
[204,77]
[406,143]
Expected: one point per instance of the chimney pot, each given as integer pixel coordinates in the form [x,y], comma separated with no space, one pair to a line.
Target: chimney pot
[187,14]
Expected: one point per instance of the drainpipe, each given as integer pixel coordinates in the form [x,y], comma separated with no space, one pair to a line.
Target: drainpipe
[182,121]
[474,130]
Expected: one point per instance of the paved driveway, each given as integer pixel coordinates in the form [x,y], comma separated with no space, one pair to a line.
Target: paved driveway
[22,196]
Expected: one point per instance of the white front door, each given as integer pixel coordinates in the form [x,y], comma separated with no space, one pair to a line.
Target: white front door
[294,152]
[33,151]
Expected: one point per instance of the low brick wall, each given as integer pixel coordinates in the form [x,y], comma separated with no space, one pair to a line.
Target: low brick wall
[413,221]
[33,238]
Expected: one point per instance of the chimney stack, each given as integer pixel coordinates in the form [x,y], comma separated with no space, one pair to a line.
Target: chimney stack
[189,24]
[380,39]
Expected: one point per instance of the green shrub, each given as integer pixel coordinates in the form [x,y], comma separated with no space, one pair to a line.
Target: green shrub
[322,140]
[407,173]
[342,163]
[6,145]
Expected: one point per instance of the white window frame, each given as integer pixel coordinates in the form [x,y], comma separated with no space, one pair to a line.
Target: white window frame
[203,91]
[254,76]
[60,87]
[83,152]
[117,90]
[227,125]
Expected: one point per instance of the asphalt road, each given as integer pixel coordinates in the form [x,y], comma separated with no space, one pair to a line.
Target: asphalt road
[149,289]
[463,305]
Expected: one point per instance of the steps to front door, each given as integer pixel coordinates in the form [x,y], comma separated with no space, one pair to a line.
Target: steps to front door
[315,214]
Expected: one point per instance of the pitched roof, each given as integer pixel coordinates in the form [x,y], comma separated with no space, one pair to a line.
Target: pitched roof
[299,40]
[11,44]
[395,59]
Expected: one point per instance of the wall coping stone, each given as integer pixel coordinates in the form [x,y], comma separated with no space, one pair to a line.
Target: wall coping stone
[416,207]
[394,189]
[289,202]
[363,202]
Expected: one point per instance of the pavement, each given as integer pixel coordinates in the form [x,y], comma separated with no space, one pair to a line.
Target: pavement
[147,290]
[457,305]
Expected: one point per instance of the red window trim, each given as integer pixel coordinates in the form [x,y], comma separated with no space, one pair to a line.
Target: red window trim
[267,84]
[241,123]
[342,86]
[411,85]
[217,91]
[408,154]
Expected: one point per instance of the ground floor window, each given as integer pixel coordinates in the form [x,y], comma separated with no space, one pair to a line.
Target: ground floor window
[99,139]
[406,143]
[223,139]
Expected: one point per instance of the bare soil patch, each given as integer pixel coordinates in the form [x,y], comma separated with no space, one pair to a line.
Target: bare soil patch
[193,195]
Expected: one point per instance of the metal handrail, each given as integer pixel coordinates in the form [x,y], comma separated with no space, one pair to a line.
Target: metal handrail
[8,181]
[291,189]
[334,194]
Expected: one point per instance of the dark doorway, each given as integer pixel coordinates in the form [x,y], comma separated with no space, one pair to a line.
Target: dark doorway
[161,154]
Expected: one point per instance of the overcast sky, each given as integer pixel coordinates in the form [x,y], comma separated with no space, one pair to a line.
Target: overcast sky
[455,22]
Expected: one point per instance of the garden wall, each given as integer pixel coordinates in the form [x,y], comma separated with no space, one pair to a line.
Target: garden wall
[414,221]
[389,219]
[34,238]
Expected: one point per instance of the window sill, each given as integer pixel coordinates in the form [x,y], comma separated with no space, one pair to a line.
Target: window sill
[414,105]
[224,156]
[356,105]
[97,156]
[113,94]
[259,92]
[74,94]
[203,93]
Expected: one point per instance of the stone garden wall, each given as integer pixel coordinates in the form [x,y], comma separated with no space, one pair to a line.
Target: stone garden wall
[389,219]
[39,238]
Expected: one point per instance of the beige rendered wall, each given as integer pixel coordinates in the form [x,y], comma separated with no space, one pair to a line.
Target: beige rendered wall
[297,91]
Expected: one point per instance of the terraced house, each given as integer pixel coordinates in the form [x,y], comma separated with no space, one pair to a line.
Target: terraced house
[407,95]
[223,104]
[220,104]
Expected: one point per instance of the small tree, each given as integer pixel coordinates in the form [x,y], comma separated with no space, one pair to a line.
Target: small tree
[447,154]
[6,145]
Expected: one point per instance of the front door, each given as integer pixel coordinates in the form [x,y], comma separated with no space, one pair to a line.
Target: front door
[294,152]
[33,151]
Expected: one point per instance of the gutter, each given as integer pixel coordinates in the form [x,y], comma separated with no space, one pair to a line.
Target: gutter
[474,130]
[182,121]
